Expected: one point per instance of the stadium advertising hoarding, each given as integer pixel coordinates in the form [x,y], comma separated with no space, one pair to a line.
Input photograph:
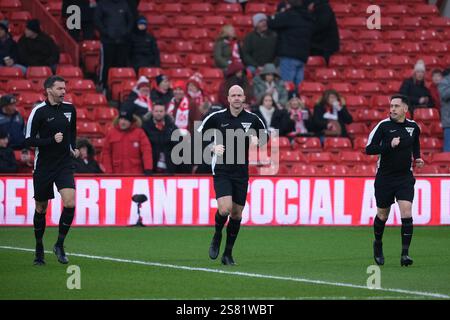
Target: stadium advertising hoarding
[189,201]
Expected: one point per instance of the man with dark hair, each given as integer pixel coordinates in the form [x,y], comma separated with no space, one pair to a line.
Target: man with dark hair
[12,121]
[51,129]
[396,141]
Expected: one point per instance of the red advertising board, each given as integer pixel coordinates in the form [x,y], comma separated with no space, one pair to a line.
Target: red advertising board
[190,201]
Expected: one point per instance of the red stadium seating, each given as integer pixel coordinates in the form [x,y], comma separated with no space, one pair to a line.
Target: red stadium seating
[200,8]
[38,73]
[320,158]
[89,129]
[430,145]
[426,115]
[228,9]
[355,75]
[335,170]
[150,73]
[308,88]
[28,99]
[69,72]
[308,144]
[316,61]
[10,5]
[18,85]
[337,144]
[304,170]
[364,170]
[357,129]
[254,8]
[441,159]
[105,115]
[10,73]
[185,22]
[94,100]
[79,87]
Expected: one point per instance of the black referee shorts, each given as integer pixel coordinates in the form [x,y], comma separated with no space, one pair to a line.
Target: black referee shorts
[389,188]
[231,186]
[43,183]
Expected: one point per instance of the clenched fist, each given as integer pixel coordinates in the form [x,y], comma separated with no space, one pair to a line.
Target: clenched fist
[59,137]
[395,142]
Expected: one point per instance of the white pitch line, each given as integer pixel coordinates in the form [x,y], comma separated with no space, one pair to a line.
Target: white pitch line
[244,274]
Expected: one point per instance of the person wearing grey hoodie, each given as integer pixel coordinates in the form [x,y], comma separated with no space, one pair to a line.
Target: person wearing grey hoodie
[444,92]
[268,81]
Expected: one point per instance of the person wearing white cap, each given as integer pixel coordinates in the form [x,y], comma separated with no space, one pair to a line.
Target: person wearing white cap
[416,91]
[259,45]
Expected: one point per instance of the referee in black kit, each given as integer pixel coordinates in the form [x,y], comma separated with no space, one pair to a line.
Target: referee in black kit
[396,141]
[230,174]
[51,129]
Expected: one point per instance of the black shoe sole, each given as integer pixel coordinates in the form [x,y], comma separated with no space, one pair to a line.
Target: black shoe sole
[59,259]
[228,264]
[39,263]
[406,263]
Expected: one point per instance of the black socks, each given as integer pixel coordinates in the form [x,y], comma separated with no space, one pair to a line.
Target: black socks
[232,233]
[407,232]
[64,224]
[220,222]
[378,228]
[39,228]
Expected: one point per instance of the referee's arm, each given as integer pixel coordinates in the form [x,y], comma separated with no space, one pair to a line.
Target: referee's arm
[73,130]
[376,143]
[416,144]
[31,134]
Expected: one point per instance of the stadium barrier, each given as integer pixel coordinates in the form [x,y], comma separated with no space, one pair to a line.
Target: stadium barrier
[189,201]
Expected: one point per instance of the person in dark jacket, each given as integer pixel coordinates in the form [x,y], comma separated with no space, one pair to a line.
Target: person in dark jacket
[159,129]
[8,49]
[11,121]
[294,28]
[139,102]
[36,48]
[273,117]
[8,162]
[227,48]
[325,39]
[259,45]
[114,20]
[86,163]
[331,115]
[414,88]
[235,75]
[162,93]
[144,50]
[87,10]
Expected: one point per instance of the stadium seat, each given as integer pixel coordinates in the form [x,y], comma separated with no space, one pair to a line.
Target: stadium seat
[147,7]
[341,87]
[439,23]
[10,5]
[302,169]
[350,157]
[228,9]
[383,74]
[290,156]
[439,48]
[274,169]
[422,9]
[90,54]
[254,8]
[382,48]
[326,74]
[355,75]
[105,115]
[426,115]
[214,22]
[38,73]
[346,34]
[307,87]
[414,23]
[84,115]
[80,87]
[441,159]
[392,87]
[364,170]
[396,10]
[201,8]
[116,76]
[179,73]
[242,22]
[89,129]
[171,9]
[320,158]
[316,61]
[398,62]
[337,144]
[167,33]
[98,144]
[430,144]
[338,61]
[29,99]
[308,144]
[94,101]
[69,72]
[360,143]
[171,60]
[352,48]
[429,169]
[184,22]
[197,34]
[357,129]
[211,73]
[368,88]
[369,35]
[368,61]
[125,89]
[380,102]
[150,73]
[356,102]
[411,48]
[353,23]
[10,73]
[18,85]
[342,9]
[370,115]
[282,142]
[425,35]
[335,170]
[198,60]
[156,20]
[395,35]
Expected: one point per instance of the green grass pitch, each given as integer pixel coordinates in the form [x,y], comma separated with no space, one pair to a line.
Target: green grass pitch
[273,263]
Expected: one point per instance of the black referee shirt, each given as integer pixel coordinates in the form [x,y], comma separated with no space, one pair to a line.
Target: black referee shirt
[394,161]
[223,121]
[44,122]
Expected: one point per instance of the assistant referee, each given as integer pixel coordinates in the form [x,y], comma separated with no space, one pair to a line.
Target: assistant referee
[396,141]
[51,129]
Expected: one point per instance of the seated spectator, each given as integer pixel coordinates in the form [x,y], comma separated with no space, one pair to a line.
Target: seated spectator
[227,48]
[235,75]
[127,149]
[162,92]
[139,101]
[87,10]
[325,38]
[182,110]
[300,116]
[196,94]
[436,78]
[144,51]
[159,128]
[414,88]
[331,115]
[36,48]
[444,93]
[259,45]
[86,162]
[273,117]
[12,122]
[269,82]
[8,49]
[7,159]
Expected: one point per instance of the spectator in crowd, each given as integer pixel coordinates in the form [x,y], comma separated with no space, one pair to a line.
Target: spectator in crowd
[86,162]
[162,92]
[8,49]
[325,38]
[183,110]
[8,162]
[36,48]
[12,122]
[414,88]
[294,28]
[87,11]
[139,101]
[114,20]
[127,149]
[196,94]
[235,75]
[269,82]
[273,117]
[144,50]
[133,5]
[300,117]
[259,45]
[159,128]
[331,115]
[227,49]
[444,92]
[436,76]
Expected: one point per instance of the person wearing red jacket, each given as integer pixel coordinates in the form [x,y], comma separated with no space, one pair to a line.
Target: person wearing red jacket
[127,149]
